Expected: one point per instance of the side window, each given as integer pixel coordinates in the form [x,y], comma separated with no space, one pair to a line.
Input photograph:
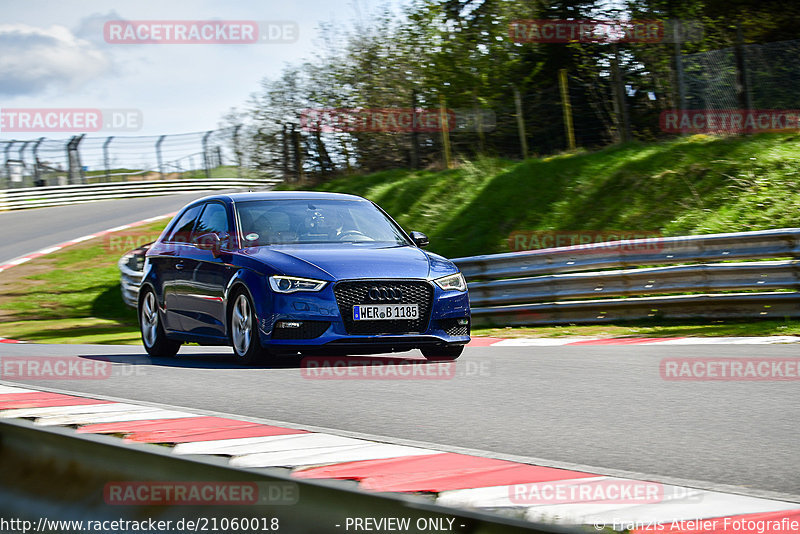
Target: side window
[214,219]
[182,229]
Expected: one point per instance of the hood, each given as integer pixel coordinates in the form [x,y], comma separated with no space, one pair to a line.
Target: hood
[344,261]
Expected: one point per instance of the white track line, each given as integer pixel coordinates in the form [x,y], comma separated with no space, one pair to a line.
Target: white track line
[4,390]
[290,442]
[52,411]
[112,417]
[328,455]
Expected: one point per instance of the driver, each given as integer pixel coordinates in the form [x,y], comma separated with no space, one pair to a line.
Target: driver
[324,222]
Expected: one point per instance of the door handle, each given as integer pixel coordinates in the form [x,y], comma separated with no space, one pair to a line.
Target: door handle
[179,266]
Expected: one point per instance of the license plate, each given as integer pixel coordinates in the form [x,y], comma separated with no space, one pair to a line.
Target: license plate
[385,312]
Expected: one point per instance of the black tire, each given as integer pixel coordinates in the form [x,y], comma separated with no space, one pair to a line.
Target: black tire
[447,352]
[154,338]
[243,330]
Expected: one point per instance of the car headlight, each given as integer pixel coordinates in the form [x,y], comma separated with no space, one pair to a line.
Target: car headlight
[452,282]
[290,284]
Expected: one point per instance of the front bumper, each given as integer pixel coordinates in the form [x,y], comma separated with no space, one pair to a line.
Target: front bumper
[319,312]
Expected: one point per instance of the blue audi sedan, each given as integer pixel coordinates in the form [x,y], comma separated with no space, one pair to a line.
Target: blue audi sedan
[288,273]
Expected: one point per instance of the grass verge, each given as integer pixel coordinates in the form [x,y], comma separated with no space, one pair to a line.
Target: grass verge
[692,185]
[72,295]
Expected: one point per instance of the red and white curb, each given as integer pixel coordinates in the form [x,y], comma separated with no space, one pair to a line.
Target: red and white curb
[452,479]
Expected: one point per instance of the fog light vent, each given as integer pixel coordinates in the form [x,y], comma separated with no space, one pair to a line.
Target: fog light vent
[299,329]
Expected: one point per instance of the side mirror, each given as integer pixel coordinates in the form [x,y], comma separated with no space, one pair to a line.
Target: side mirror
[210,242]
[420,239]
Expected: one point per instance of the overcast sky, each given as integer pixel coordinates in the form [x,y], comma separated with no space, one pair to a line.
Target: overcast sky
[53,54]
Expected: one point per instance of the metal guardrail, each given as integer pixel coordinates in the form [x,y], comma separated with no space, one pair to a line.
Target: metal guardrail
[130,272]
[39,197]
[53,474]
[564,285]
[784,242]
[558,286]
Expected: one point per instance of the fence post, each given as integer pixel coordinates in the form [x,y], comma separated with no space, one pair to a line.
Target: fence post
[237,151]
[38,181]
[298,157]
[478,122]
[74,168]
[9,144]
[742,89]
[106,159]
[414,133]
[158,156]
[520,123]
[567,108]
[678,33]
[445,124]
[21,154]
[623,122]
[206,162]
[285,142]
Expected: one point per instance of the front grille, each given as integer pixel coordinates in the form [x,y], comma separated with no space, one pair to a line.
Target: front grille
[351,293]
[307,330]
[452,328]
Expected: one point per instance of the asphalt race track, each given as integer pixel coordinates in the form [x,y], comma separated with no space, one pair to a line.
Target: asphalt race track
[26,231]
[601,406]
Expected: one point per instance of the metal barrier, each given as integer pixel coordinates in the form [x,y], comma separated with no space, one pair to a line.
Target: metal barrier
[130,273]
[39,197]
[558,286]
[53,474]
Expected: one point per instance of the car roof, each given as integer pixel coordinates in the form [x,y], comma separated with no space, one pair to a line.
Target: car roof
[280,195]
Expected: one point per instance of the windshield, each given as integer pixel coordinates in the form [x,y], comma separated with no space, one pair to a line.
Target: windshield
[283,222]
